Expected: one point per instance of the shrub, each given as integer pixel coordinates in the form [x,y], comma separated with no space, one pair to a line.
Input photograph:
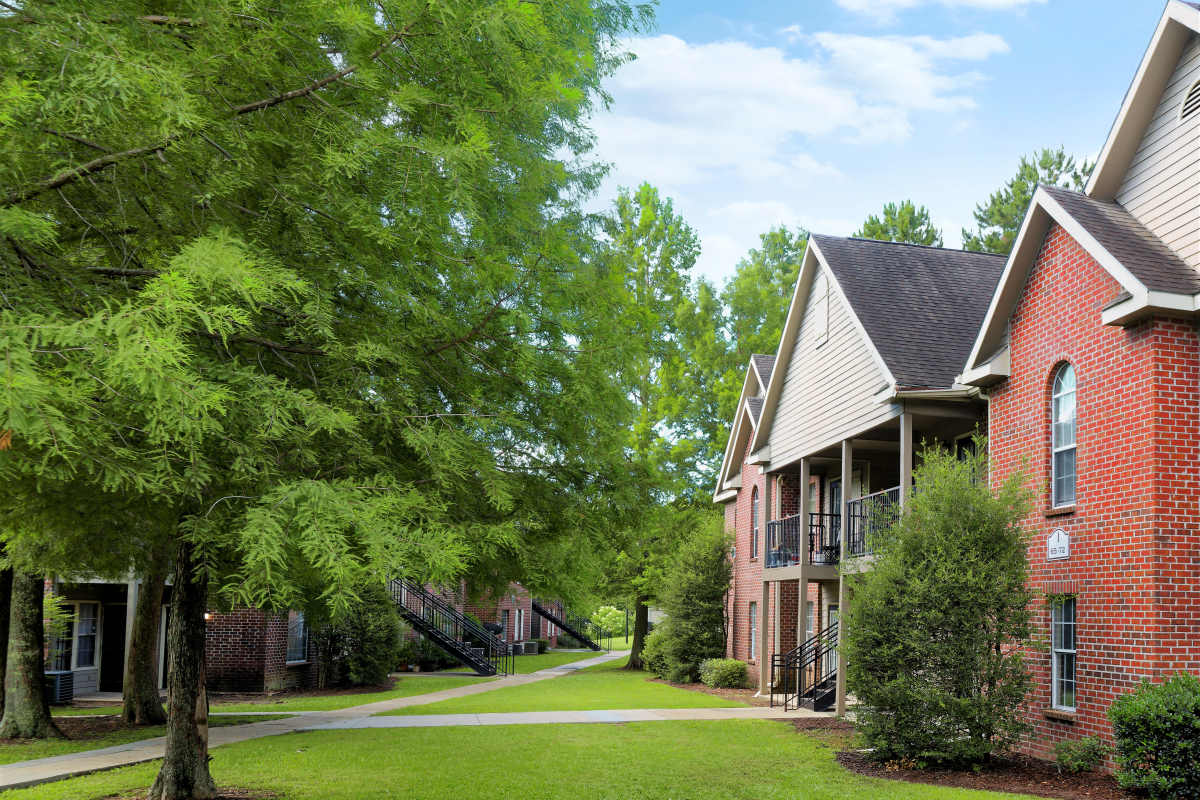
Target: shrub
[654,654]
[1080,755]
[928,638]
[363,645]
[724,673]
[1157,731]
[568,642]
[693,598]
[543,645]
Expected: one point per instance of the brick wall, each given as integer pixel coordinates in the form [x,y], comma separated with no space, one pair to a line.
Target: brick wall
[1134,528]
[746,586]
[246,651]
[490,608]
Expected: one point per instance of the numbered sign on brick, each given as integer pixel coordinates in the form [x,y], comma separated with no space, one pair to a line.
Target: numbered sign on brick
[1058,545]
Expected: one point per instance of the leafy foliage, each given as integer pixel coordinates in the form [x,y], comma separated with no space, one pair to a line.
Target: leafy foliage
[609,619]
[362,646]
[1157,732]
[694,603]
[1080,755]
[724,673]
[902,222]
[931,637]
[999,219]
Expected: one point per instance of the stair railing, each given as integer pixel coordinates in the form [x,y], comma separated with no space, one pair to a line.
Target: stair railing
[799,673]
[451,629]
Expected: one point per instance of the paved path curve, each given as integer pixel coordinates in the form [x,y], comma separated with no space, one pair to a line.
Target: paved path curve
[43,770]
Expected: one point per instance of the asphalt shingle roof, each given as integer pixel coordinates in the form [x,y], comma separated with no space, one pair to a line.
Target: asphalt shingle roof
[920,306]
[1135,247]
[763,366]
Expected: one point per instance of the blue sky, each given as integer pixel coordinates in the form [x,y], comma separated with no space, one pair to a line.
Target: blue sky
[816,113]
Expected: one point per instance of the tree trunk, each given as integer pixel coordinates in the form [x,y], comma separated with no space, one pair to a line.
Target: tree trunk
[184,773]
[141,704]
[6,582]
[641,625]
[26,707]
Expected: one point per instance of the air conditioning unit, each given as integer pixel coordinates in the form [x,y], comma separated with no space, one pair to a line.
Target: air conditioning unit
[60,687]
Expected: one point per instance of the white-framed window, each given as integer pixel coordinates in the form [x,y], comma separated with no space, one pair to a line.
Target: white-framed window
[504,623]
[1062,437]
[1062,653]
[76,646]
[297,639]
[753,630]
[808,620]
[754,523]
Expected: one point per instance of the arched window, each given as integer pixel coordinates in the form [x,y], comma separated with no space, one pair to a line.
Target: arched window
[754,523]
[1062,437]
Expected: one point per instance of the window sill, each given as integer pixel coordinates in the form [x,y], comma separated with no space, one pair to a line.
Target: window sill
[1060,511]
[1059,714]
[302,662]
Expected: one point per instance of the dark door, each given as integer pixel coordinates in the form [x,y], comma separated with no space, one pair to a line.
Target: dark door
[535,625]
[112,649]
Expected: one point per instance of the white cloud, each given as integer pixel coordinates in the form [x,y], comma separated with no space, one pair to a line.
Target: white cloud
[885,10]
[792,33]
[739,133]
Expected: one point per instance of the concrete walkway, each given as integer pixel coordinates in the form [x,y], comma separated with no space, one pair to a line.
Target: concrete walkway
[561,717]
[43,770]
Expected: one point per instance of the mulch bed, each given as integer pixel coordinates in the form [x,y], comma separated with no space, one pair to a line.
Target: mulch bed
[82,727]
[267,698]
[1020,774]
[740,695]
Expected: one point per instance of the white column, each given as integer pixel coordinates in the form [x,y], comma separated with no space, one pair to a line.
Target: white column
[844,510]
[804,510]
[906,457]
[764,668]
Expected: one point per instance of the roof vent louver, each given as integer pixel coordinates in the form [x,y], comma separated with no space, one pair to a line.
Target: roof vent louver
[1191,103]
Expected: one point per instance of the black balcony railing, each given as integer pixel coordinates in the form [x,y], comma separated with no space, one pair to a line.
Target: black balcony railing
[785,542]
[824,538]
[869,515]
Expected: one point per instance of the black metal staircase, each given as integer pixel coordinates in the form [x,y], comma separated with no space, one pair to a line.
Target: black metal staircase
[807,676]
[451,630]
[575,626]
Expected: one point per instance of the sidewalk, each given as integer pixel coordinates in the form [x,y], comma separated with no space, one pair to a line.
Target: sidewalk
[43,770]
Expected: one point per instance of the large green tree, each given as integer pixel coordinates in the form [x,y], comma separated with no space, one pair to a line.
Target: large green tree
[902,222]
[314,283]
[999,219]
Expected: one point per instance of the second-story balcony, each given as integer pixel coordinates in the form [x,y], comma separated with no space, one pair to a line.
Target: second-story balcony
[817,540]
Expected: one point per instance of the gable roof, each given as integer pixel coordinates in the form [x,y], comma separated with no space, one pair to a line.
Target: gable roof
[1179,21]
[1151,275]
[1147,257]
[762,366]
[919,306]
[754,406]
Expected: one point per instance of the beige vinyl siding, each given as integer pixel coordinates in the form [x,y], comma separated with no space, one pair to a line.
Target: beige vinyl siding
[830,385]
[1162,185]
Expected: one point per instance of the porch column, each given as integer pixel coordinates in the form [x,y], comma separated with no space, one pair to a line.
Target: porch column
[906,457]
[844,511]
[803,511]
[133,588]
[764,669]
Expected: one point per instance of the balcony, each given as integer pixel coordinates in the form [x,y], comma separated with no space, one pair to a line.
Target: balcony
[817,540]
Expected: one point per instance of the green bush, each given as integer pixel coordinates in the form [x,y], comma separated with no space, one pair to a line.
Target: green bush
[724,673]
[654,653]
[1157,731]
[1080,755]
[362,646]
[693,598]
[609,619]
[543,645]
[568,642]
[928,638]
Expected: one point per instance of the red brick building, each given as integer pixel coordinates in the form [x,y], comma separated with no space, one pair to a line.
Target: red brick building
[1090,359]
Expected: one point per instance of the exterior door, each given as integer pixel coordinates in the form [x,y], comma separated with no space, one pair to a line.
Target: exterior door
[504,622]
[535,625]
[519,632]
[112,648]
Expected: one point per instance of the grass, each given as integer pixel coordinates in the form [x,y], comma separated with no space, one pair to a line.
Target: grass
[728,760]
[600,687]
[526,664]
[405,686]
[43,748]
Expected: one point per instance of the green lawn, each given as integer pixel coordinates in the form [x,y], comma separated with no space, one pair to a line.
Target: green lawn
[42,748]
[731,760]
[599,687]
[405,686]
